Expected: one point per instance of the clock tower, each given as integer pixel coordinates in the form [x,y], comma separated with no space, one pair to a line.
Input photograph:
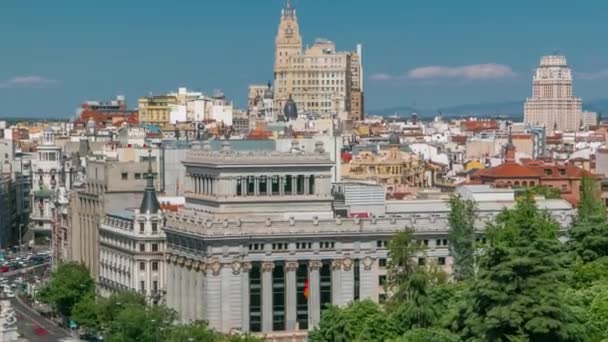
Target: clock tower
[288,42]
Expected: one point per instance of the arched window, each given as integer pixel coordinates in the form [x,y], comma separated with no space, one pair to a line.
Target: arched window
[524,183]
[531,183]
[516,183]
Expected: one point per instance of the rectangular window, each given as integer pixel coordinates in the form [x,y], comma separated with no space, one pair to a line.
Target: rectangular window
[124,176]
[441,261]
[239,186]
[275,185]
[142,286]
[421,261]
[250,185]
[255,298]
[154,227]
[438,242]
[154,265]
[141,227]
[382,280]
[138,176]
[263,182]
[382,262]
[357,279]
[142,247]
[302,301]
[288,185]
[278,297]
[325,285]
[155,285]
[142,266]
[154,247]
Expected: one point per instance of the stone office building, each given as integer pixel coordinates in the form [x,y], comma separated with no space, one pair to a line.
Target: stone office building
[258,248]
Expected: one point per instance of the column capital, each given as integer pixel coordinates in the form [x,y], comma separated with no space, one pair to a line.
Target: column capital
[291,266]
[347,264]
[215,267]
[315,265]
[336,264]
[267,266]
[367,262]
[236,267]
[245,266]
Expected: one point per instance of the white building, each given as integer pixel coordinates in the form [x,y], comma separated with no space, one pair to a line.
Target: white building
[47,172]
[131,247]
[553,104]
[258,227]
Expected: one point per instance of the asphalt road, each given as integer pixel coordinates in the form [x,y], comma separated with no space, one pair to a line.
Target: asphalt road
[28,320]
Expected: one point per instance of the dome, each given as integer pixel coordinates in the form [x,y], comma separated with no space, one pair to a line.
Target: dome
[268,93]
[290,110]
[394,139]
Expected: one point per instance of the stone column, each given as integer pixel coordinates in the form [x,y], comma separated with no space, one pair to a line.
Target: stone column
[294,185]
[281,185]
[183,307]
[347,281]
[169,284]
[267,268]
[306,182]
[269,186]
[369,278]
[336,287]
[314,293]
[291,292]
[193,284]
[200,290]
[246,267]
[256,186]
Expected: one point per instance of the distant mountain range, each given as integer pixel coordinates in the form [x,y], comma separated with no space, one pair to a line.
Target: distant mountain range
[509,109]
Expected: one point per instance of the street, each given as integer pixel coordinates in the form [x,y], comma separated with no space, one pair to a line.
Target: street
[28,320]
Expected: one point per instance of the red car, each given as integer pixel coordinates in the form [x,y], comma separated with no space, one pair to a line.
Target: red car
[40,331]
[4,269]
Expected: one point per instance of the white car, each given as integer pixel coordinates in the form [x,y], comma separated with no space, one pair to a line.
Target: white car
[9,294]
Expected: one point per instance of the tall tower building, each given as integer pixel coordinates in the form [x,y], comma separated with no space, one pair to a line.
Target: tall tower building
[553,104]
[288,42]
[318,79]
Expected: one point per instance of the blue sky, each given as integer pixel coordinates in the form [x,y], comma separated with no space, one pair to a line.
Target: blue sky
[424,53]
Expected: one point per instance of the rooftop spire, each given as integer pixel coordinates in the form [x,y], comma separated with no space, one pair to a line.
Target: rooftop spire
[149,203]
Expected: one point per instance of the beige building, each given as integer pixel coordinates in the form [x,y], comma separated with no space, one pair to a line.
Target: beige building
[553,105]
[319,79]
[107,184]
[156,110]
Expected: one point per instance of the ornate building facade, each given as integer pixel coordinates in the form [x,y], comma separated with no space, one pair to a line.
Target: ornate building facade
[399,171]
[131,247]
[319,79]
[258,248]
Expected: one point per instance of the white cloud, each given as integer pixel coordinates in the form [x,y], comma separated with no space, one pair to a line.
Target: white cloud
[486,71]
[598,75]
[380,77]
[29,81]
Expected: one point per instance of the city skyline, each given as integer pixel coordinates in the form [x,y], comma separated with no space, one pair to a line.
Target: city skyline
[415,55]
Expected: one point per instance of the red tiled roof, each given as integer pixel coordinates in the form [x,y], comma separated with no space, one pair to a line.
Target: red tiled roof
[508,170]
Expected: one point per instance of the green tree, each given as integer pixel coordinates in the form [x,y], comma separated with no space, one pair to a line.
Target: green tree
[359,321]
[462,236]
[519,289]
[428,335]
[136,324]
[417,310]
[589,234]
[543,190]
[87,313]
[69,284]
[403,249]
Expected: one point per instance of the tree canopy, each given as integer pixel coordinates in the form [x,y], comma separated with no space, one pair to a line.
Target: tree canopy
[68,285]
